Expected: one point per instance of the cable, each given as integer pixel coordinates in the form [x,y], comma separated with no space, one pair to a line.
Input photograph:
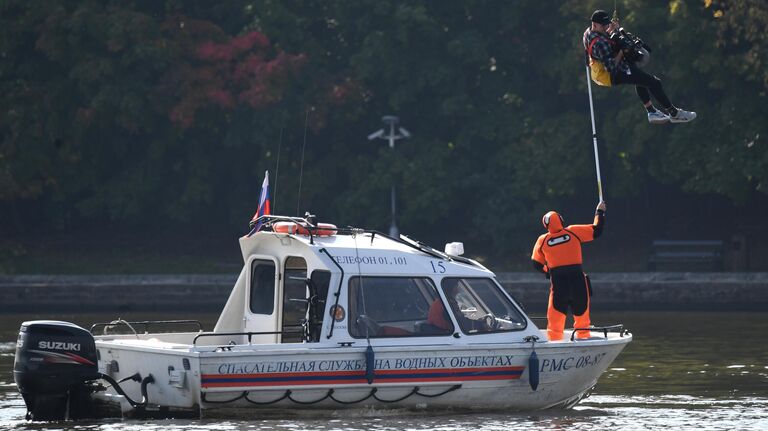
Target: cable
[301,169]
[144,401]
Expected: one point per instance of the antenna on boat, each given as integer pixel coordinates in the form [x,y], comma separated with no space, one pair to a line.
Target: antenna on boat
[362,287]
[370,356]
[277,170]
[301,169]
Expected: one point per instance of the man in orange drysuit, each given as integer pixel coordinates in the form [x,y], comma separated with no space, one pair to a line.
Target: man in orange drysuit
[557,254]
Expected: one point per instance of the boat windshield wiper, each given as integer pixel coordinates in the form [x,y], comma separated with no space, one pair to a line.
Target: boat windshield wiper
[425,248]
[411,243]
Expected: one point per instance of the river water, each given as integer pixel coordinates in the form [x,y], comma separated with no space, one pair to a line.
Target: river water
[684,370]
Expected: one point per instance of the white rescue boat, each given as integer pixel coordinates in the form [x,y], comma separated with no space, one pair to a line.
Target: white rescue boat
[322,318]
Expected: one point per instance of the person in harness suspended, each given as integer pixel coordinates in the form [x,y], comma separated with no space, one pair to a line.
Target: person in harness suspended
[557,254]
[607,52]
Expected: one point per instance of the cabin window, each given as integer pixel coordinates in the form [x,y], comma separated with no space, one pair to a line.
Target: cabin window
[396,307]
[262,287]
[480,306]
[295,299]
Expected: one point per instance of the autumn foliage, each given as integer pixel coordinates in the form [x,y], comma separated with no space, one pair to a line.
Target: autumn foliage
[228,72]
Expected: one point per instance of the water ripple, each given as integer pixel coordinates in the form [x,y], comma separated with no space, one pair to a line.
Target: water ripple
[692,386]
[598,412]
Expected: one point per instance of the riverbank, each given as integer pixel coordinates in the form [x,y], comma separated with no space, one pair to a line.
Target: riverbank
[612,291]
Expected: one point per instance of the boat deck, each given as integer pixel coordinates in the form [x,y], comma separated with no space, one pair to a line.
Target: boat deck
[183,342]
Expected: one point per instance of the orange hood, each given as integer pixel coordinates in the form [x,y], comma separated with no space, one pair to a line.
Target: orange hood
[552,221]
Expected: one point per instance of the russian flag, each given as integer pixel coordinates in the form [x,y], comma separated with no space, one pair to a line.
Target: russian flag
[264,207]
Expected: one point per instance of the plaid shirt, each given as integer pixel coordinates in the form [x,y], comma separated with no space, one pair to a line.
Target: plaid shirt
[602,51]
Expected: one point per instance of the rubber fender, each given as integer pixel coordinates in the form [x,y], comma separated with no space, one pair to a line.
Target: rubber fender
[533,370]
[369,364]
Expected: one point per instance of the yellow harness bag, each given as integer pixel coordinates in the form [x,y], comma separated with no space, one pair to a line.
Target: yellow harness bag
[597,70]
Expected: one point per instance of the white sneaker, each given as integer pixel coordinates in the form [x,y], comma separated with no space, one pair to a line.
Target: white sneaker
[658,117]
[682,116]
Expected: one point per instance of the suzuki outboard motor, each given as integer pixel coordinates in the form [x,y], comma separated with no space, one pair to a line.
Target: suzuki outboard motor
[54,363]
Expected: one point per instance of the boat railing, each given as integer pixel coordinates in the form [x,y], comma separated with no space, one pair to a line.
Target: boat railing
[145,325]
[267,220]
[604,329]
[247,334]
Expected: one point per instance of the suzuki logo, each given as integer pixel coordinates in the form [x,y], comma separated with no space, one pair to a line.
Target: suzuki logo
[58,345]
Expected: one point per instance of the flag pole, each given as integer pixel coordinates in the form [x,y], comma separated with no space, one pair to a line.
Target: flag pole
[263,208]
[594,138]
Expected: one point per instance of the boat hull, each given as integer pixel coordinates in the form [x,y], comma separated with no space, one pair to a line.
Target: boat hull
[258,378]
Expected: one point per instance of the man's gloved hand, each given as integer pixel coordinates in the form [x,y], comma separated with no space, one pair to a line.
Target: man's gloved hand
[600,207]
[613,26]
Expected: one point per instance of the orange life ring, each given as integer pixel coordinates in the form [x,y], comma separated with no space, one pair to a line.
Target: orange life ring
[323,229]
[326,229]
[285,227]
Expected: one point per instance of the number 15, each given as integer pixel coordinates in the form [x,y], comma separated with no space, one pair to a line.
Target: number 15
[437,267]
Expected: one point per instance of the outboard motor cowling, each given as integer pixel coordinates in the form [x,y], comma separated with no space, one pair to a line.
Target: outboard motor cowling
[54,363]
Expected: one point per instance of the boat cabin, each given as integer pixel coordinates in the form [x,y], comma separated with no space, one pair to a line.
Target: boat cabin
[351,286]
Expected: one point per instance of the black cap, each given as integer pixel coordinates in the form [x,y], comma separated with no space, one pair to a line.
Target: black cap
[601,17]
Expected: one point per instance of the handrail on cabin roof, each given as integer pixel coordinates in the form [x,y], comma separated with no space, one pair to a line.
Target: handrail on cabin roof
[267,220]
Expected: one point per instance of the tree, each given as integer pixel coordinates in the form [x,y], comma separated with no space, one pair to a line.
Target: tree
[113,110]
[157,112]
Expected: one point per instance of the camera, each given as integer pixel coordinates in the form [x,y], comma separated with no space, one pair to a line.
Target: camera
[635,50]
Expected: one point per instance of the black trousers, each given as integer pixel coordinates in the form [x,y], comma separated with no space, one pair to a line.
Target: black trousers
[645,85]
[570,288]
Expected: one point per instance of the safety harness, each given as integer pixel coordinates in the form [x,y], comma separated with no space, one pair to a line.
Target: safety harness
[597,70]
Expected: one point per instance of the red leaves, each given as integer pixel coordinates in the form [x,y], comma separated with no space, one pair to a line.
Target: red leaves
[177,66]
[221,98]
[249,40]
[239,70]
[212,51]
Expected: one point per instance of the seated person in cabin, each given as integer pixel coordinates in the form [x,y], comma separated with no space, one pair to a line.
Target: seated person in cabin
[438,315]
[438,318]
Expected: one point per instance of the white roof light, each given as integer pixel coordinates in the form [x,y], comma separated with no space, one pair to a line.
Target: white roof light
[454,248]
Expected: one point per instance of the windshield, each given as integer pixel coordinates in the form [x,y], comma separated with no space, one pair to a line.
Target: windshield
[396,307]
[480,306]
